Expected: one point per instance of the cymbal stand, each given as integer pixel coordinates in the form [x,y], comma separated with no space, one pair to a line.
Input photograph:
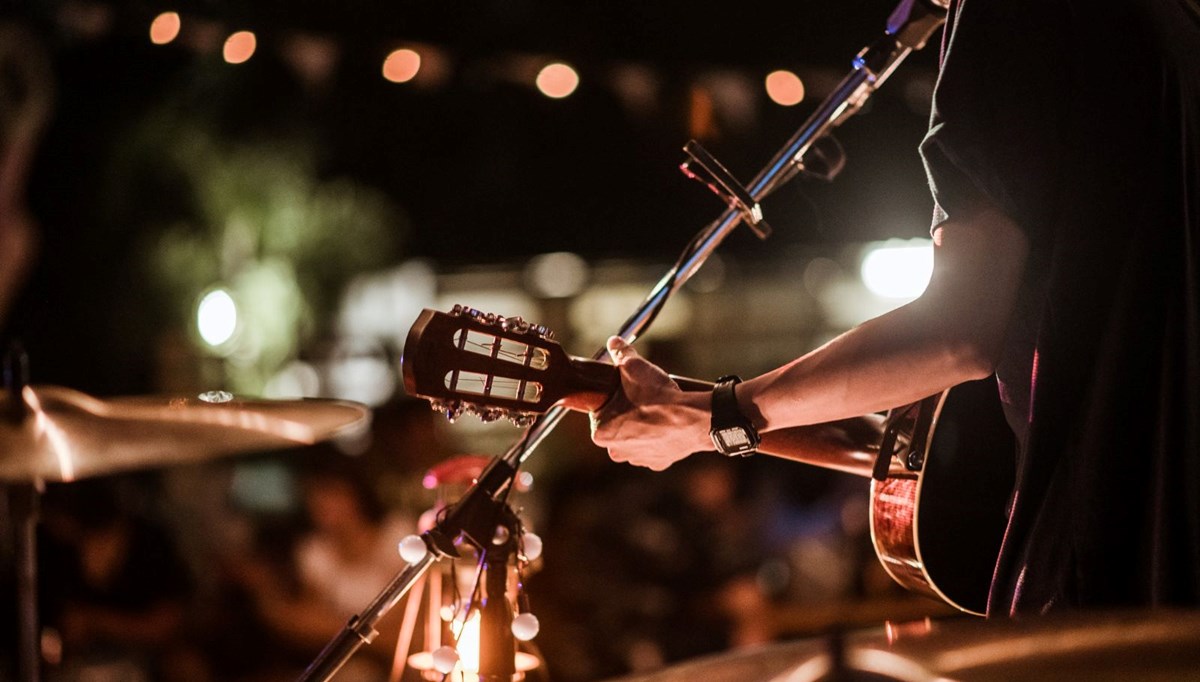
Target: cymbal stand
[474,518]
[23,505]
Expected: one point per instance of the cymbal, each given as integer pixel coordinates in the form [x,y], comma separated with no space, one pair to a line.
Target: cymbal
[1148,646]
[60,434]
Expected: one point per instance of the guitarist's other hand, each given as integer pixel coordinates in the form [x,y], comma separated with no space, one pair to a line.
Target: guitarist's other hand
[651,422]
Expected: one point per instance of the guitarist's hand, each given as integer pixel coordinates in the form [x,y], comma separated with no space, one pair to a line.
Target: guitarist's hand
[651,422]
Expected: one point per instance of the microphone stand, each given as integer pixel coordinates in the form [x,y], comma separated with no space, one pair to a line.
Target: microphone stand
[473,518]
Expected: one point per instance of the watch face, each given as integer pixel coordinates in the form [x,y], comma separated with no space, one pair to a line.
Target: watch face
[732,439]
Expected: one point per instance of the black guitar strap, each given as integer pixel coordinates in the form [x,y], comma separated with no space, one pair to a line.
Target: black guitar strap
[920,437]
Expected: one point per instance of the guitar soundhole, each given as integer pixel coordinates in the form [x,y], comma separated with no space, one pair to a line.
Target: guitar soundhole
[475,384]
[502,349]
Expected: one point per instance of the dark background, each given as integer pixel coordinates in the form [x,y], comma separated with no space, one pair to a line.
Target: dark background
[484,170]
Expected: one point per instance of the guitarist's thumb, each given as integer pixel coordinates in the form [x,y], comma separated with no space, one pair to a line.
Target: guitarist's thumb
[618,349]
[632,371]
[649,421]
[635,370]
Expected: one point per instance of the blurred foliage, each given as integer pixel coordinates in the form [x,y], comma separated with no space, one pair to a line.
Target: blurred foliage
[255,218]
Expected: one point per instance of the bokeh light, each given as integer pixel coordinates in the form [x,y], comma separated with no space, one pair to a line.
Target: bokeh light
[216,317]
[898,271]
[401,65]
[240,47]
[556,275]
[557,80]
[785,88]
[164,28]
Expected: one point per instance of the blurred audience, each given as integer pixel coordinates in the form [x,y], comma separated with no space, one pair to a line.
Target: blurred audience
[345,554]
[640,570]
[113,590]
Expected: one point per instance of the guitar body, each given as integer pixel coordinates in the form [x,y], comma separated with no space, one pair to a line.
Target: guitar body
[939,516]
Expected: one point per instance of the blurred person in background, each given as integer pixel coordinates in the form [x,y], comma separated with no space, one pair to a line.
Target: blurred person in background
[114,591]
[346,553]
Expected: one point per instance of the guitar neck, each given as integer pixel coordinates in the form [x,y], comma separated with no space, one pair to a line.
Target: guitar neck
[848,445]
[594,382]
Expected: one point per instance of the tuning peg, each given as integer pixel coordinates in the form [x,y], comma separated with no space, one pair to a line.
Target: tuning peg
[514,324]
[489,414]
[522,419]
[450,409]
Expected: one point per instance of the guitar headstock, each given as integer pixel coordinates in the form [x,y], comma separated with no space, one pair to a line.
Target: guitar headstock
[467,361]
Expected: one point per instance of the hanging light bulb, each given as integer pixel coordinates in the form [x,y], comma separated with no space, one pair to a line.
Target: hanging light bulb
[525,626]
[413,549]
[444,659]
[531,546]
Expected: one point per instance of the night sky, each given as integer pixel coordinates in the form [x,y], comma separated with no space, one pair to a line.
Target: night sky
[479,168]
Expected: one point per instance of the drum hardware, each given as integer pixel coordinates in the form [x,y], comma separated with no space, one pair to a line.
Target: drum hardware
[57,434]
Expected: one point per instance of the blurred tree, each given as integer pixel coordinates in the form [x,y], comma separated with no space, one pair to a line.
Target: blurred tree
[252,217]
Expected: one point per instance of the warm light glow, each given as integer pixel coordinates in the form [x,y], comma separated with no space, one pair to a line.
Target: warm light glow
[785,88]
[402,65]
[895,271]
[531,546]
[556,275]
[59,443]
[557,80]
[164,28]
[240,47]
[413,549]
[216,317]
[525,626]
[468,644]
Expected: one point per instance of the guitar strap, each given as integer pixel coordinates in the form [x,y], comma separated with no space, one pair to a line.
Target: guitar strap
[924,421]
[920,434]
[887,448]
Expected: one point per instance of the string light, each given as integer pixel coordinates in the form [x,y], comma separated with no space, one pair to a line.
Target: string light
[525,626]
[164,28]
[402,65]
[785,88]
[557,80]
[531,545]
[240,47]
[413,549]
[428,65]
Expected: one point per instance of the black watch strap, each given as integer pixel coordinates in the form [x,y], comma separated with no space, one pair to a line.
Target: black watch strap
[733,434]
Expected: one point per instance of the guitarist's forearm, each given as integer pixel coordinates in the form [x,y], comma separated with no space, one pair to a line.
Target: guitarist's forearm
[951,334]
[847,445]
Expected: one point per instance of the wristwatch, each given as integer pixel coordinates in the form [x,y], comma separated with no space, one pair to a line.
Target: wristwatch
[732,433]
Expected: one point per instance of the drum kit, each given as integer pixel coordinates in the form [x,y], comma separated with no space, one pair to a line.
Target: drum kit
[56,434]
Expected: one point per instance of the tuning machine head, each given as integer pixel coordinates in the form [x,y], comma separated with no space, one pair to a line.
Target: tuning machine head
[453,409]
[514,324]
[450,409]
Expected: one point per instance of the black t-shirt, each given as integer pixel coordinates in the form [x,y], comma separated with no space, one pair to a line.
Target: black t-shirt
[1081,121]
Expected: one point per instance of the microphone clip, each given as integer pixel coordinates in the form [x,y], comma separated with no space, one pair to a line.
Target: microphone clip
[724,185]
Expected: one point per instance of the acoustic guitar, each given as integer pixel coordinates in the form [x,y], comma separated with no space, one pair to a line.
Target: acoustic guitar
[942,468]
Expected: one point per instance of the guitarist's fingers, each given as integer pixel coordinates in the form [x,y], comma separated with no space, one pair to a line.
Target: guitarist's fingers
[619,349]
[636,371]
[614,406]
